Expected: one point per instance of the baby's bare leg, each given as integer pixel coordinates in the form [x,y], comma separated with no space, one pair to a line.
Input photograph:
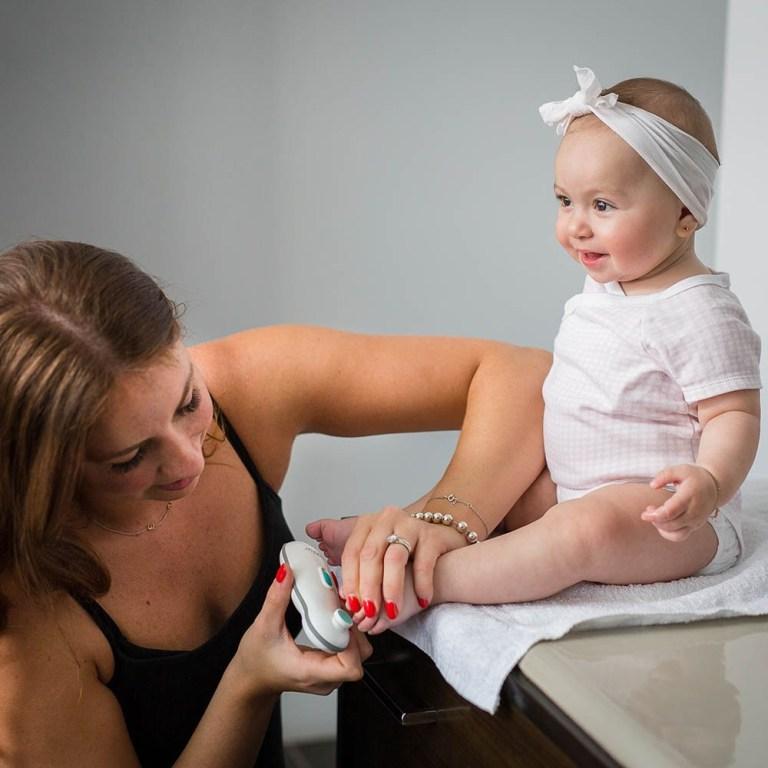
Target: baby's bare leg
[540,496]
[599,537]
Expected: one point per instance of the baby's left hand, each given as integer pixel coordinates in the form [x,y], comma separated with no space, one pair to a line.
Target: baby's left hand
[689,507]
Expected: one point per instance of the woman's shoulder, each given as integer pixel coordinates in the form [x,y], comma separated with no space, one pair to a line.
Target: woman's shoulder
[227,360]
[52,665]
[252,375]
[272,370]
[45,632]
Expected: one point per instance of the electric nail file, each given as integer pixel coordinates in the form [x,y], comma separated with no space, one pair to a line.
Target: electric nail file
[316,598]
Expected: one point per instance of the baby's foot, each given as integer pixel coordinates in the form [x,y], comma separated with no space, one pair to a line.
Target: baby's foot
[331,536]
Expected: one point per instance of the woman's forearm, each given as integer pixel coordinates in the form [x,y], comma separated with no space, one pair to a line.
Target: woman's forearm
[232,728]
[500,450]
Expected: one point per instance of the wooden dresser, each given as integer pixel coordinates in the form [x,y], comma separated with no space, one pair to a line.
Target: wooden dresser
[692,695]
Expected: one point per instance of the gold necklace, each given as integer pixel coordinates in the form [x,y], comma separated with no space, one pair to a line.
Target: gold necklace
[153,526]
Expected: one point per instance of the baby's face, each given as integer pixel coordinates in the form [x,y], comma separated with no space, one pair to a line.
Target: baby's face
[616,217]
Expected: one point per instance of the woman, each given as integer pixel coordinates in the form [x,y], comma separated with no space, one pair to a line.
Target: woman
[139,517]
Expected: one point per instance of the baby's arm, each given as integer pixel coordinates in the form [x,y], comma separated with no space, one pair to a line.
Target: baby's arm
[730,432]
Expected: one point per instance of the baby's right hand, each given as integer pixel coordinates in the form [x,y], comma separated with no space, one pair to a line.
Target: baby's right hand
[693,500]
[271,661]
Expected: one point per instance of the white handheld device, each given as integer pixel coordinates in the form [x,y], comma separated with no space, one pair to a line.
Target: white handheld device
[315,595]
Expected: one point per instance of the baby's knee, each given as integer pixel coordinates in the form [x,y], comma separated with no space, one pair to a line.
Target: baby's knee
[585,532]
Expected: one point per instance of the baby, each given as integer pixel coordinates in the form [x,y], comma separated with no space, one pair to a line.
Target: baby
[652,403]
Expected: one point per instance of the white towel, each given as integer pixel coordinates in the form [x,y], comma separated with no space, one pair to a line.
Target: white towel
[476,646]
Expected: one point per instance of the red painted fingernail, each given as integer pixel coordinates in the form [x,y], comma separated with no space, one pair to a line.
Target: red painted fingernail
[370,608]
[280,575]
[353,604]
[391,609]
[423,602]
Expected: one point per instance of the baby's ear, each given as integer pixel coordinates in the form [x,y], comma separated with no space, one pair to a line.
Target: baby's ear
[686,224]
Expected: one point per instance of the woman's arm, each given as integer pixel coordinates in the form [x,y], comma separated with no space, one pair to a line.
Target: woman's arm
[276,383]
[282,381]
[498,456]
[54,708]
[268,662]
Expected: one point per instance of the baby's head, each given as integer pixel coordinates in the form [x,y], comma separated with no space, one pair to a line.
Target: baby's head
[670,101]
[633,174]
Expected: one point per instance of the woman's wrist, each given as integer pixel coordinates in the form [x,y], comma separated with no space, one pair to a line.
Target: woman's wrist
[454,500]
[451,511]
[447,520]
[245,686]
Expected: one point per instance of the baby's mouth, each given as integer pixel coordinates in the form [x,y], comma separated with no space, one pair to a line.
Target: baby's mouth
[588,258]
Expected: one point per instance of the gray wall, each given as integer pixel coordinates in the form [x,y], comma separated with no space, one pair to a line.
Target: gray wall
[377,166]
[740,242]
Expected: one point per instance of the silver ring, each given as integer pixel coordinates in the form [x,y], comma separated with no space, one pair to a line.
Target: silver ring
[393,538]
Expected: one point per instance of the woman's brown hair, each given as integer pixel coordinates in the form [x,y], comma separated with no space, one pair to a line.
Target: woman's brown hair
[72,318]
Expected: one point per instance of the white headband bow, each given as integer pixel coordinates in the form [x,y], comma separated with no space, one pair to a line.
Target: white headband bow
[682,162]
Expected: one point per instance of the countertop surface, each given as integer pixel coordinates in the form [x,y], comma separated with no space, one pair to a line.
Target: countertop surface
[674,695]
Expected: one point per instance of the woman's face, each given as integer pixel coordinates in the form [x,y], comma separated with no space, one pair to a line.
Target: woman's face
[147,444]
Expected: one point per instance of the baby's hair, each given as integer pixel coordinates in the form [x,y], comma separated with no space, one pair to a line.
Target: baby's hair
[670,101]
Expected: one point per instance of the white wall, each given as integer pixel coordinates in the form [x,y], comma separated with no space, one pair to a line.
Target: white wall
[744,144]
[369,165]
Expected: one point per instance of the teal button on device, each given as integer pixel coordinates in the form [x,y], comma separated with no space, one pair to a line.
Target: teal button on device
[342,619]
[326,577]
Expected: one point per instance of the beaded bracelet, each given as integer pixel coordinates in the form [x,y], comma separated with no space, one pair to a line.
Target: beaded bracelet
[438,517]
[451,498]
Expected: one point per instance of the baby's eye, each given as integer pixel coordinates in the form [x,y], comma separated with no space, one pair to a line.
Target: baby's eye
[602,206]
[563,200]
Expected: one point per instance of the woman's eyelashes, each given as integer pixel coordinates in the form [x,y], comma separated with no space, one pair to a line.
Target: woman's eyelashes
[132,463]
[194,402]
[135,460]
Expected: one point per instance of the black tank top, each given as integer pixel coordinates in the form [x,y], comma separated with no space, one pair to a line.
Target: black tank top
[163,694]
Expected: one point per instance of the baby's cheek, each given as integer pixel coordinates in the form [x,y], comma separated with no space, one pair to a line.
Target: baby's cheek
[561,233]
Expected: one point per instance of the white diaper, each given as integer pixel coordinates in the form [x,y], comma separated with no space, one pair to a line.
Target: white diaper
[728,547]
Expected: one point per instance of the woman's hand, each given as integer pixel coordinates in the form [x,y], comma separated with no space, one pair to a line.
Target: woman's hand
[373,570]
[271,662]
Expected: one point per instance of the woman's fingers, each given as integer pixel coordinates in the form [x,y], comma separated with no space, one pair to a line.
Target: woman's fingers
[271,618]
[369,559]
[350,562]
[371,569]
[395,561]
[325,672]
[375,569]
[275,663]
[424,574]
